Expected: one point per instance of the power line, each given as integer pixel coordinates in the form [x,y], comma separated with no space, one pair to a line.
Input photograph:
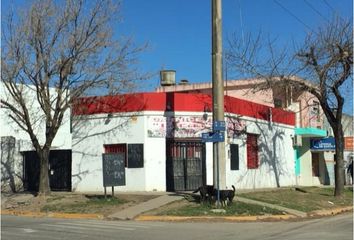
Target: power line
[241,22]
[314,9]
[329,5]
[334,10]
[293,15]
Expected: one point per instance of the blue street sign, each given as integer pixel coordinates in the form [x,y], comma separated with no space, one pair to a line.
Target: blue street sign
[323,144]
[219,126]
[213,137]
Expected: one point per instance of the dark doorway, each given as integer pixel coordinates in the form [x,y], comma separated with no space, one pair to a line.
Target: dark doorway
[185,165]
[59,170]
[315,164]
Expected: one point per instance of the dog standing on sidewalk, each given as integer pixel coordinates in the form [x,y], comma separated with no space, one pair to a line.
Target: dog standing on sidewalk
[206,192]
[226,196]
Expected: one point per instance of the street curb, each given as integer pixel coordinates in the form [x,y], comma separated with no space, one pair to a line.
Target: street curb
[207,218]
[330,212]
[318,213]
[52,214]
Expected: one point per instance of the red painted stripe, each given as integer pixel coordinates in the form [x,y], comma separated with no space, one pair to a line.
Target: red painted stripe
[188,102]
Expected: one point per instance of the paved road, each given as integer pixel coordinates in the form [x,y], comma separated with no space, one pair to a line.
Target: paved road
[338,227]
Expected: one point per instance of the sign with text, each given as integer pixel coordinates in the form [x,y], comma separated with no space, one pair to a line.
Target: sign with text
[190,126]
[213,137]
[323,144]
[135,155]
[113,166]
[178,126]
[348,144]
[219,126]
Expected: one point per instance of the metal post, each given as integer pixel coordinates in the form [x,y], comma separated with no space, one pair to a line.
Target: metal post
[217,179]
[219,176]
[112,191]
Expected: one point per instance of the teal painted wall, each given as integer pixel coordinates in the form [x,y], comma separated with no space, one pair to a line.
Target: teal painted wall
[297,162]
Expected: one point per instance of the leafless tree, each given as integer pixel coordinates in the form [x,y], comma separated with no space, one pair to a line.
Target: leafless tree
[60,51]
[322,66]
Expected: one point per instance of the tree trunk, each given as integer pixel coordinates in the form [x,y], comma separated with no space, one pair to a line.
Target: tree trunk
[339,161]
[44,188]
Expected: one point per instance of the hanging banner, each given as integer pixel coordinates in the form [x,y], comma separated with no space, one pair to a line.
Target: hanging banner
[189,126]
[178,127]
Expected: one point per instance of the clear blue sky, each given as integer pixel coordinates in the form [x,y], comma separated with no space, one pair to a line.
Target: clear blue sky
[179,31]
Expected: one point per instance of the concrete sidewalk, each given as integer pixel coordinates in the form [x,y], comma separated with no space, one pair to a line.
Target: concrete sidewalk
[280,208]
[134,211]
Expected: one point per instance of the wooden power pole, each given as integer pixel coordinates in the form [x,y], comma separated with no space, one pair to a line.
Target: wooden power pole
[219,164]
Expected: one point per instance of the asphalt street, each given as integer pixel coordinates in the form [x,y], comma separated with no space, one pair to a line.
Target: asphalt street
[337,227]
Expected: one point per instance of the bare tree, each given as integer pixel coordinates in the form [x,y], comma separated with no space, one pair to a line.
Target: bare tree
[60,52]
[322,66]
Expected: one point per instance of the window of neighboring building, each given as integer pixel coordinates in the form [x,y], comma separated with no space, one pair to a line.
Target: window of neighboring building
[316,110]
[252,151]
[278,103]
[234,157]
[133,153]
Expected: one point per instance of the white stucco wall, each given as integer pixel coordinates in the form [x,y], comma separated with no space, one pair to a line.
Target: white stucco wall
[155,164]
[62,139]
[276,159]
[275,152]
[89,138]
[9,128]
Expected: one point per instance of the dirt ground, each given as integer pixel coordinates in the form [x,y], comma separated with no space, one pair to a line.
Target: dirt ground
[29,202]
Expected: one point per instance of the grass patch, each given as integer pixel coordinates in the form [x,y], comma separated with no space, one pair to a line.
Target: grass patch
[91,204]
[55,198]
[236,208]
[307,200]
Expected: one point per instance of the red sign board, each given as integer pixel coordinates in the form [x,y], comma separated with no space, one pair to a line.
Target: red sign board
[348,143]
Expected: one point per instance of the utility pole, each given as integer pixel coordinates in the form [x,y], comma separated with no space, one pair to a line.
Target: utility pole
[219,165]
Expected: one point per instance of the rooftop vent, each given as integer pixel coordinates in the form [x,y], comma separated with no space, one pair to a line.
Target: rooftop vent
[167,77]
[183,82]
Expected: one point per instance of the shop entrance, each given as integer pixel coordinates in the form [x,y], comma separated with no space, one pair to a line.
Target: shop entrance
[185,165]
[59,170]
[315,164]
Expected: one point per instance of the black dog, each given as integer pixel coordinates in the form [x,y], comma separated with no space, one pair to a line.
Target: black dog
[206,192]
[226,196]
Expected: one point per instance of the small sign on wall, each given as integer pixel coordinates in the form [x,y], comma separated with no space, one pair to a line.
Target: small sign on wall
[135,155]
[213,137]
[348,143]
[323,144]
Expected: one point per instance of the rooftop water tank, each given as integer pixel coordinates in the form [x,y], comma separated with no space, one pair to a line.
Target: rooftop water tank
[167,77]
